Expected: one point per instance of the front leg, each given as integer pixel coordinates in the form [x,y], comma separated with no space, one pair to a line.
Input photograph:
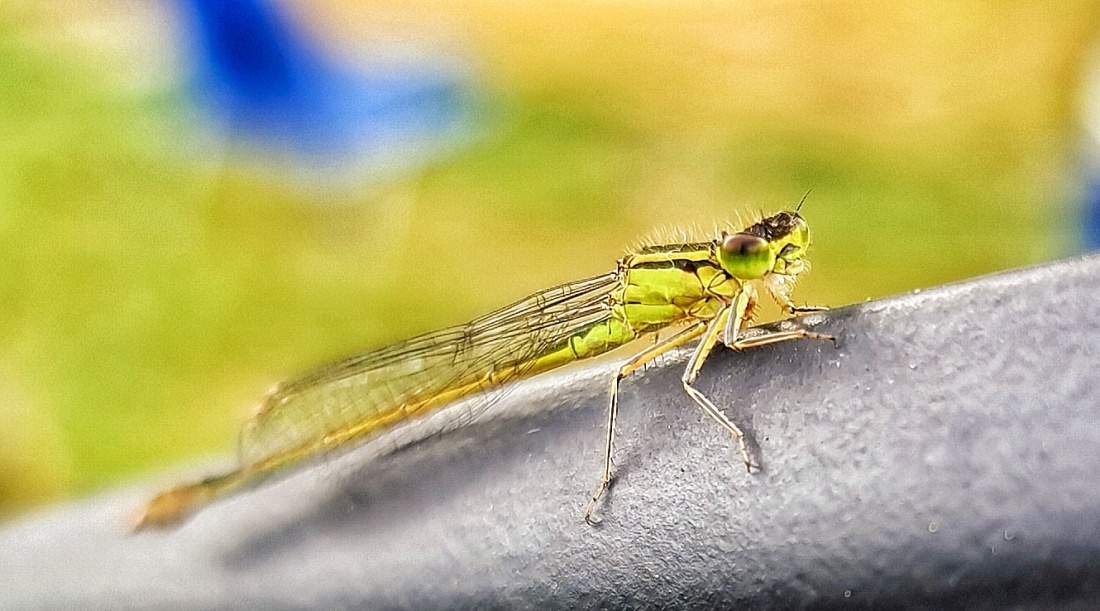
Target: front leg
[743,308]
[797,309]
[781,293]
[805,309]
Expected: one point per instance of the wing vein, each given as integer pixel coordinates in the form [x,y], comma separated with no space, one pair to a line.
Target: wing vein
[378,385]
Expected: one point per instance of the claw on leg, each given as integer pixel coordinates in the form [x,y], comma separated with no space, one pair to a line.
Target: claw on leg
[592,503]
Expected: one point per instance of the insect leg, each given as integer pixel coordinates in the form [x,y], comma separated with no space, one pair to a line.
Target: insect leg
[743,307]
[635,363]
[784,300]
[776,337]
[706,345]
[804,309]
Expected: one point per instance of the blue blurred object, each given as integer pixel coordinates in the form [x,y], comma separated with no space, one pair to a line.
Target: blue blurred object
[1089,161]
[1092,215]
[265,81]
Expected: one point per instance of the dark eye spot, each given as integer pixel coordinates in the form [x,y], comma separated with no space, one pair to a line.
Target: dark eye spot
[743,244]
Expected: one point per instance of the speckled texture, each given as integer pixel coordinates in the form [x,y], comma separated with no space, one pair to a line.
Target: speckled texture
[946,454]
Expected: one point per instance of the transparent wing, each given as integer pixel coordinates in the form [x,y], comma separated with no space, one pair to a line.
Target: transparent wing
[374,390]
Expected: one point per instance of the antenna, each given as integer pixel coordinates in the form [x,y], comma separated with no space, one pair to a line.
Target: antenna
[803,200]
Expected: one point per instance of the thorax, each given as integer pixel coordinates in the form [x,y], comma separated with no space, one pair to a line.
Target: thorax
[663,285]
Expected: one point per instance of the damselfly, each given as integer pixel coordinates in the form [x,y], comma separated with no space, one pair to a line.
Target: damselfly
[705,290]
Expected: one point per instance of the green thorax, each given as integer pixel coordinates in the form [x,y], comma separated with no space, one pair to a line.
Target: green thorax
[667,284]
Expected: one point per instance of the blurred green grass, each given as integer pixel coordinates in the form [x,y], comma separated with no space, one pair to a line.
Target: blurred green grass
[149,296]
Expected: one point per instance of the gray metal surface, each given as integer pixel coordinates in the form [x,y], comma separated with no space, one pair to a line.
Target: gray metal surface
[947,453]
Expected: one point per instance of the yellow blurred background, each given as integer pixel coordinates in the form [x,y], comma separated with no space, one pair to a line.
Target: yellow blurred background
[152,288]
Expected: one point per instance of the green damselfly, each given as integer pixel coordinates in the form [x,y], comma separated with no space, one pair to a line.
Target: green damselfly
[705,290]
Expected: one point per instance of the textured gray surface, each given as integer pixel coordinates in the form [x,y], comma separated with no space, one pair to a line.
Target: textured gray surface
[947,453]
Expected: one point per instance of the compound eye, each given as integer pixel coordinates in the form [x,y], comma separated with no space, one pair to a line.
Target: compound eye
[745,256]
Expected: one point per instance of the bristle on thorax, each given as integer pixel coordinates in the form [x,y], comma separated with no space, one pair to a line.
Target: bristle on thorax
[695,232]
